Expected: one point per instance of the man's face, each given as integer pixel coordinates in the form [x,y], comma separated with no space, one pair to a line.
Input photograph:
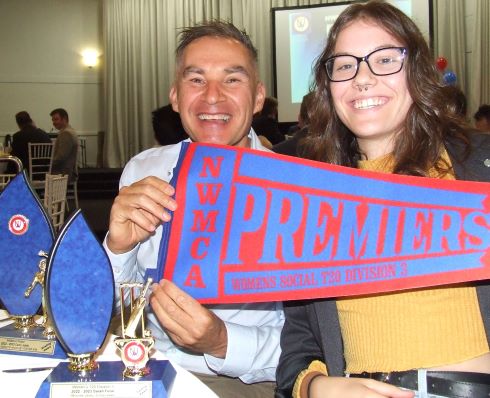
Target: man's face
[483,124]
[216,91]
[59,122]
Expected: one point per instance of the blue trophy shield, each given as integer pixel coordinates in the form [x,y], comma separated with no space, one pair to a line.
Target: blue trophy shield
[80,300]
[26,236]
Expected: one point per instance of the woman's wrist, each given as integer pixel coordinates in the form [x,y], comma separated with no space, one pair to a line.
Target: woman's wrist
[310,384]
[305,388]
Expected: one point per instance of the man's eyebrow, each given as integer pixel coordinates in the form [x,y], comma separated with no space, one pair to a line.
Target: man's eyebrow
[237,69]
[232,69]
[192,69]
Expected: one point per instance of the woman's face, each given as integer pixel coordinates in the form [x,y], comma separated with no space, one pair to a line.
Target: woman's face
[372,107]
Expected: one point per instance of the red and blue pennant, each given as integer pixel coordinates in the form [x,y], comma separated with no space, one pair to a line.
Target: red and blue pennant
[257,226]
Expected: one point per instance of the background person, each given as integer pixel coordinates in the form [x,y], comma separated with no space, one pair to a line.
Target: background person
[292,146]
[379,106]
[65,149]
[28,132]
[216,91]
[167,126]
[265,122]
[457,103]
[482,118]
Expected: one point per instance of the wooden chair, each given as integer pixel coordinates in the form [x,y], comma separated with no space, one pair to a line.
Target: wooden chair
[55,198]
[40,162]
[6,177]
[72,189]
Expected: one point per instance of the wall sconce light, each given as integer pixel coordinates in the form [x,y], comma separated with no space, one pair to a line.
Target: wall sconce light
[90,58]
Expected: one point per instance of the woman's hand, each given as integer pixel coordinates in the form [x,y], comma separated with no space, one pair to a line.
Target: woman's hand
[351,387]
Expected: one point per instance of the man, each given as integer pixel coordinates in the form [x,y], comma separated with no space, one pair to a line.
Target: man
[65,147]
[291,146]
[216,91]
[167,126]
[482,118]
[265,123]
[28,133]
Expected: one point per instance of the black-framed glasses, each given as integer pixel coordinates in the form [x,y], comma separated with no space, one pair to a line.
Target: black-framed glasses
[385,61]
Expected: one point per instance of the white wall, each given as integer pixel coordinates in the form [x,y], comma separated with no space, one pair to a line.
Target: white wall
[40,69]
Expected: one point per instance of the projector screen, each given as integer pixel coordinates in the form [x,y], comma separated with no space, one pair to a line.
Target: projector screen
[299,36]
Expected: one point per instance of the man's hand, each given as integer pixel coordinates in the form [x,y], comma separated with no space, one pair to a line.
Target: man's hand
[137,211]
[188,323]
[350,387]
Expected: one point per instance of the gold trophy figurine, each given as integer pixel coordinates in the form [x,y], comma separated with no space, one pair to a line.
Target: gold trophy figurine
[134,346]
[39,279]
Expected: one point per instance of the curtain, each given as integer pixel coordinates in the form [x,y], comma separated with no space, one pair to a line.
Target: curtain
[140,37]
[449,37]
[137,47]
[466,48]
[479,63]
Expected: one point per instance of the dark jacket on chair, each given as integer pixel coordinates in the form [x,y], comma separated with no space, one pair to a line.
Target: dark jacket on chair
[22,138]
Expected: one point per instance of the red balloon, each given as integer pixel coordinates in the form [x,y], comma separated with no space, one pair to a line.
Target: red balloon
[441,63]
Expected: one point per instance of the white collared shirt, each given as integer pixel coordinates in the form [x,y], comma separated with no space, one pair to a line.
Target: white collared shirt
[253,329]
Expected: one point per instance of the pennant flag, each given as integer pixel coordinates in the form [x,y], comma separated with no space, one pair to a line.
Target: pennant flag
[257,226]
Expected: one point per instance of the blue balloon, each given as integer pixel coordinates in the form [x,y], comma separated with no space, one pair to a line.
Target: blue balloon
[449,78]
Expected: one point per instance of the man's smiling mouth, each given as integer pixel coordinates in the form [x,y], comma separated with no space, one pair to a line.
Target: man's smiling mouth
[207,116]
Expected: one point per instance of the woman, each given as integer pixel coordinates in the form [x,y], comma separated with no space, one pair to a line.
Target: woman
[379,106]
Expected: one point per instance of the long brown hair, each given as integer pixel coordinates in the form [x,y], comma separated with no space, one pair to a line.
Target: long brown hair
[428,121]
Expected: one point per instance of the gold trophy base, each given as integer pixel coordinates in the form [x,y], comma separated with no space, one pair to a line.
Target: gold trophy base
[26,337]
[135,372]
[24,323]
[82,362]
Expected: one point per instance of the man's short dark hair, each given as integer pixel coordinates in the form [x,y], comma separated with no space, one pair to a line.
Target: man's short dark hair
[270,107]
[214,28]
[304,108]
[23,119]
[457,103]
[61,112]
[167,126]
[483,112]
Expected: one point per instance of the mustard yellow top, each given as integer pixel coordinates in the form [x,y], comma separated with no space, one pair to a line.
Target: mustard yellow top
[412,329]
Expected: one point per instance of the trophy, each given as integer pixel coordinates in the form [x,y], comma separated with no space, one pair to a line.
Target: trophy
[134,347]
[79,302]
[26,235]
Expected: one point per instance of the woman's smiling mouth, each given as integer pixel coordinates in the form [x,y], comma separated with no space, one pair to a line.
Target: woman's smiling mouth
[366,103]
